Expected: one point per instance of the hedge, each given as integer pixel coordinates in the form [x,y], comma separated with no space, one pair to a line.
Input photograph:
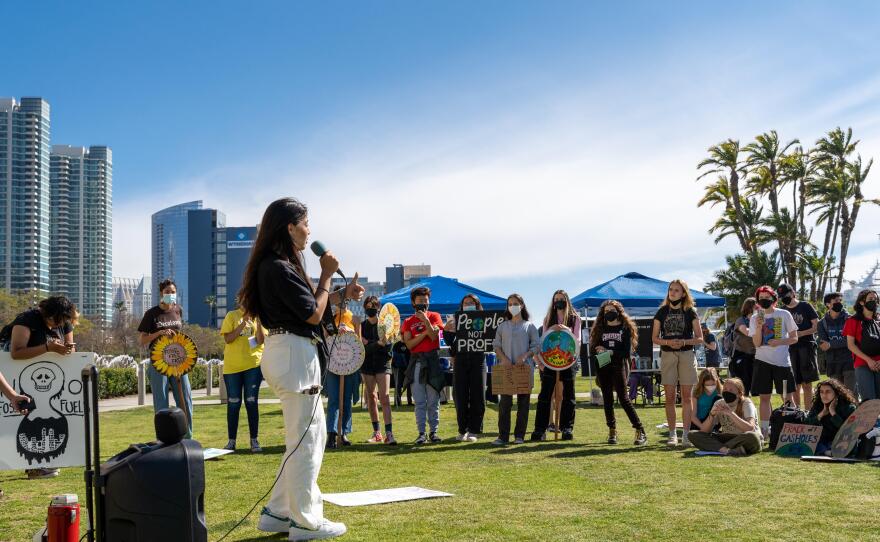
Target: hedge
[121,381]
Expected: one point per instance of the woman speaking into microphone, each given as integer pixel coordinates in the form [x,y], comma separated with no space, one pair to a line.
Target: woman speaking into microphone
[277,289]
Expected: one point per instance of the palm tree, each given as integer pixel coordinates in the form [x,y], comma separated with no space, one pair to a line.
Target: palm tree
[798,170]
[743,274]
[783,227]
[766,153]
[826,192]
[724,159]
[211,302]
[856,175]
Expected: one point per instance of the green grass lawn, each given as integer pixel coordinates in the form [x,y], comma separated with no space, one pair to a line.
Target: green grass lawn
[579,490]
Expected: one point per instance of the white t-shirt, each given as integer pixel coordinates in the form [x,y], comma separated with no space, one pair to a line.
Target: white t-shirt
[777,325]
[749,411]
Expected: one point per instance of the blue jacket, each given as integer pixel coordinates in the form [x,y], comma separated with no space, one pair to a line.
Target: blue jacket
[831,331]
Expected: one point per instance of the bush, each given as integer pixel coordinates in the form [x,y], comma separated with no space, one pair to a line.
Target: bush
[199,375]
[121,381]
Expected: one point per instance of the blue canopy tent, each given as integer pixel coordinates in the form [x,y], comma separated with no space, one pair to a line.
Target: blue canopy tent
[640,295]
[446,294]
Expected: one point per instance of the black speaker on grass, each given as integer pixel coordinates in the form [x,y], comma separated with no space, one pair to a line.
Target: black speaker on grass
[155,492]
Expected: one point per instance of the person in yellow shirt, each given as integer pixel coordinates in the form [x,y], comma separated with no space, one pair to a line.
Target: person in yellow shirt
[347,323]
[244,339]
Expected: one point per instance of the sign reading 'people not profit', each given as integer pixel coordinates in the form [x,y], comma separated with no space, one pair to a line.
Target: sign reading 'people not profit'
[475,330]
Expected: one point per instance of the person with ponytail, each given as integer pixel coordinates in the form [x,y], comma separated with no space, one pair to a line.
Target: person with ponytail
[862,332]
[736,415]
[615,332]
[560,316]
[277,290]
[677,330]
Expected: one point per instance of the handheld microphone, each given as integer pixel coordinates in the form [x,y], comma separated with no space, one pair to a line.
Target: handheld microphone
[319,249]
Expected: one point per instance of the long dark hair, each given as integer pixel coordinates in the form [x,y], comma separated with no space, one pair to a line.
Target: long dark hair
[272,239]
[473,298]
[570,314]
[860,304]
[600,325]
[844,394]
[524,313]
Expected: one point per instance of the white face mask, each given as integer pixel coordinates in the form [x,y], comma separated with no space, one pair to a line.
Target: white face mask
[711,389]
[514,309]
[468,308]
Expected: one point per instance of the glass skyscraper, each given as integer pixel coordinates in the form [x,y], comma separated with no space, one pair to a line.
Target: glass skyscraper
[24,195]
[81,255]
[170,240]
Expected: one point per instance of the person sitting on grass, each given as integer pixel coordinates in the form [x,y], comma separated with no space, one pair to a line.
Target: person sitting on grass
[833,403]
[739,424]
[706,393]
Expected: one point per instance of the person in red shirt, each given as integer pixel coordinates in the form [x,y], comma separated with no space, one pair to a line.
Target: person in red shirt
[421,333]
[862,332]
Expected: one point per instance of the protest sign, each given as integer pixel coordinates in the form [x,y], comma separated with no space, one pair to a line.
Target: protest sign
[797,439]
[475,330]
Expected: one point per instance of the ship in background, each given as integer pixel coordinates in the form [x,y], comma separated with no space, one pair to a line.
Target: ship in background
[870,280]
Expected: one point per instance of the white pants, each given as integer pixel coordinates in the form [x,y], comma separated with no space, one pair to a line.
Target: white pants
[290,364]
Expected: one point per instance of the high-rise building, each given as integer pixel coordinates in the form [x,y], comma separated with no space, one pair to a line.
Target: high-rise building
[135,297]
[239,245]
[398,276]
[206,267]
[24,195]
[170,244]
[81,255]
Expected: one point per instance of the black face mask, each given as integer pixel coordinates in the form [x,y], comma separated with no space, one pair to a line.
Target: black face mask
[765,303]
[611,316]
[837,307]
[559,305]
[371,312]
[787,300]
[675,303]
[871,305]
[729,397]
[420,307]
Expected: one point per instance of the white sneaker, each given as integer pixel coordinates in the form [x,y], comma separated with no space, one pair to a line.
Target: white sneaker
[673,440]
[462,437]
[255,446]
[470,437]
[328,529]
[273,523]
[685,441]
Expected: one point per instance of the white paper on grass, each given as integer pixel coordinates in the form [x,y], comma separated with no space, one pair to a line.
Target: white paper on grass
[214,453]
[382,496]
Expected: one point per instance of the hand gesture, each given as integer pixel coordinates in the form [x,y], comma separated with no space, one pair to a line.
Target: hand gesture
[832,407]
[774,342]
[58,347]
[824,346]
[354,290]
[19,402]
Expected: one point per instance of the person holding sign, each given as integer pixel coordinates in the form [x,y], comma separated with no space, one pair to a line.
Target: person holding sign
[772,331]
[469,377]
[421,333]
[560,316]
[862,333]
[739,427]
[277,290]
[613,339]
[677,330]
[48,328]
[376,371]
[516,343]
[166,319]
[832,405]
[244,337]
[349,385]
[17,401]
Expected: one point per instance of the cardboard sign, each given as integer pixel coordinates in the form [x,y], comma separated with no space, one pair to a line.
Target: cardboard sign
[860,422]
[797,439]
[475,330]
[53,434]
[511,380]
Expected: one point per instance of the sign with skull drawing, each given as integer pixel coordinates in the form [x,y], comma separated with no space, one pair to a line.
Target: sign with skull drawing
[52,434]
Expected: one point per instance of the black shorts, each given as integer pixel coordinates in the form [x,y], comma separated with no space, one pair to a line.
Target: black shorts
[804,364]
[766,375]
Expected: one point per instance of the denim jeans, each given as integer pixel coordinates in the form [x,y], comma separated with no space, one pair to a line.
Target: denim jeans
[244,384]
[159,387]
[352,385]
[868,382]
[427,401]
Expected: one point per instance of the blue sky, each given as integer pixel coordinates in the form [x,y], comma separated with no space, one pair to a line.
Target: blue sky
[520,146]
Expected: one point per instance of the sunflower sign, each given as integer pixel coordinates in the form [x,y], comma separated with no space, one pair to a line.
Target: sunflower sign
[389,322]
[174,355]
[559,350]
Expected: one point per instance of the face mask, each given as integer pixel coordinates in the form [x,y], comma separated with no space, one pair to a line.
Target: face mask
[787,300]
[371,312]
[515,309]
[765,303]
[420,307]
[468,308]
[711,389]
[611,316]
[559,305]
[837,307]
[871,305]
[675,303]
[729,397]
[169,299]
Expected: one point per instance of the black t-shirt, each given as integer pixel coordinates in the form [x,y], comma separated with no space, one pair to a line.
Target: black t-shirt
[616,339]
[156,319]
[713,357]
[286,300]
[676,324]
[804,314]
[374,353]
[40,332]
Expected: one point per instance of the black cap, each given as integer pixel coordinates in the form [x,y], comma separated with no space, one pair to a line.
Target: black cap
[784,289]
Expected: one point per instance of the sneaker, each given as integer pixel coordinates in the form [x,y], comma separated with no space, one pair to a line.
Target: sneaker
[499,442]
[462,437]
[567,435]
[255,446]
[376,438]
[230,445]
[328,529]
[519,440]
[332,443]
[612,435]
[539,437]
[641,437]
[685,442]
[422,439]
[345,441]
[739,451]
[273,523]
[434,438]
[551,428]
[39,474]
[673,440]
[471,437]
[389,439]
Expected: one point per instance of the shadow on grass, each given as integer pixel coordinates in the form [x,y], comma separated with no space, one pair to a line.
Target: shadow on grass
[607,449]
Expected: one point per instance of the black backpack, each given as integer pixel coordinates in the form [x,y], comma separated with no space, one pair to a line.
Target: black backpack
[787,413]
[728,340]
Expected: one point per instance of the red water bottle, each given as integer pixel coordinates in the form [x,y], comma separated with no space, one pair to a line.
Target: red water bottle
[63,520]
